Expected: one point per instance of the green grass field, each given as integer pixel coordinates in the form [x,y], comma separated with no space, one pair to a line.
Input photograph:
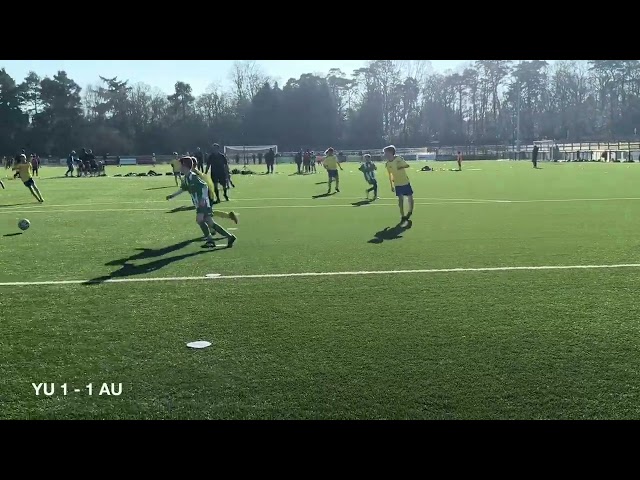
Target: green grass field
[351,344]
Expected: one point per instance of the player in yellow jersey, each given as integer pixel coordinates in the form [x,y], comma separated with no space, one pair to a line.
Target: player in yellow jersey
[175,164]
[24,170]
[399,180]
[331,164]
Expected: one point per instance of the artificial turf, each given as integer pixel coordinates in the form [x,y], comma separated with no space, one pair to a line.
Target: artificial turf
[510,344]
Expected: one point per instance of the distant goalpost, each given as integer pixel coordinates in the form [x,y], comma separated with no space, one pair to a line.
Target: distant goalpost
[245,153]
[545,147]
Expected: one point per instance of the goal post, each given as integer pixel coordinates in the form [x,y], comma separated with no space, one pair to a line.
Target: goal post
[546,148]
[245,153]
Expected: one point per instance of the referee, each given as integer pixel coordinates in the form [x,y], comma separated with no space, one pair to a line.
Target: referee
[219,166]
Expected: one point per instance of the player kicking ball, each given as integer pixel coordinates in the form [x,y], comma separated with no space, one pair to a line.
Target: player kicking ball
[331,164]
[201,197]
[369,169]
[399,180]
[25,171]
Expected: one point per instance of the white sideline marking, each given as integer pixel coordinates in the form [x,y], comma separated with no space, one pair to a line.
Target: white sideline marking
[42,209]
[231,205]
[216,276]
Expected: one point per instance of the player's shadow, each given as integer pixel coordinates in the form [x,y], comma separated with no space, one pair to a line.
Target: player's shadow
[390,233]
[182,208]
[322,195]
[362,203]
[12,234]
[159,188]
[16,205]
[128,269]
[321,183]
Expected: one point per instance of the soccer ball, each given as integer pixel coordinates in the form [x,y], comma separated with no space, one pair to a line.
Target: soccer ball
[24,224]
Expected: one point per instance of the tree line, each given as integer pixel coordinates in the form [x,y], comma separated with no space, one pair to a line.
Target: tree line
[400,102]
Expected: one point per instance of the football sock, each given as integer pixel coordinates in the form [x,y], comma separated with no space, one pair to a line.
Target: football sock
[218,213]
[205,229]
[218,229]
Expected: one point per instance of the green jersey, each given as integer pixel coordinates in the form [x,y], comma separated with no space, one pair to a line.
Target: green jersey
[369,170]
[197,188]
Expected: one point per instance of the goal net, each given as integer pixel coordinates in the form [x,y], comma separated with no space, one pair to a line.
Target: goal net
[246,153]
[545,149]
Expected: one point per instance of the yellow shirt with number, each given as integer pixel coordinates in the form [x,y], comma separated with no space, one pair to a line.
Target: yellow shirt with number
[331,162]
[25,171]
[397,168]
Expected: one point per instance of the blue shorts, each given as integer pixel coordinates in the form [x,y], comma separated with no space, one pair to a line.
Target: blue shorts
[404,190]
[29,183]
[333,173]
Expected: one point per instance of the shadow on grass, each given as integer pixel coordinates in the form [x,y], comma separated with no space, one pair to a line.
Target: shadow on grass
[390,233]
[128,269]
[16,204]
[160,188]
[321,183]
[362,203]
[322,195]
[12,234]
[183,208]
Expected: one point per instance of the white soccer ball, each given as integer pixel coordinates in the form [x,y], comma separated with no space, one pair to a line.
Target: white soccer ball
[24,224]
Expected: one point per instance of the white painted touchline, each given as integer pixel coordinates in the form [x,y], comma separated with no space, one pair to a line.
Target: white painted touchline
[216,276]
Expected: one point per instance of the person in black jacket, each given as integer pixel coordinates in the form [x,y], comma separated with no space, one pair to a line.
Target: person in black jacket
[270,159]
[219,166]
[199,158]
[534,156]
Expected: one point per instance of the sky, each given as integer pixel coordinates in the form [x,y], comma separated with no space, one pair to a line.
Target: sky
[198,73]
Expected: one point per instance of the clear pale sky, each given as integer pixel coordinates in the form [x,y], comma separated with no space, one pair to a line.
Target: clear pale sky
[198,73]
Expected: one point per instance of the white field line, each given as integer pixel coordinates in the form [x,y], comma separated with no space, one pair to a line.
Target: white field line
[215,276]
[226,206]
[230,205]
[91,204]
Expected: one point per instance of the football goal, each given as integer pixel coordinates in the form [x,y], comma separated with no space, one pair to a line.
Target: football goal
[245,154]
[545,149]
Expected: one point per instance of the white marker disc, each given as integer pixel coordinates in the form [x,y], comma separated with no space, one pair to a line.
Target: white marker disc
[199,344]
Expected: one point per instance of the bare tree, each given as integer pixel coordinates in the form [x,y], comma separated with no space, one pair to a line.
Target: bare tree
[247,78]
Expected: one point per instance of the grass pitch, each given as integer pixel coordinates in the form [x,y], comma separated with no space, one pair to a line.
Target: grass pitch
[464,344]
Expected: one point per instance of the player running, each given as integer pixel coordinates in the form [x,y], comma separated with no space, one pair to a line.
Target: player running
[24,170]
[200,195]
[369,169]
[399,180]
[331,164]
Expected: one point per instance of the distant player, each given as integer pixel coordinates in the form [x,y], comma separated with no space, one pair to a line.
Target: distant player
[399,180]
[312,164]
[332,165]
[35,164]
[459,161]
[175,165]
[369,169]
[70,159]
[200,195]
[534,156]
[24,169]
[219,167]
[270,160]
[199,158]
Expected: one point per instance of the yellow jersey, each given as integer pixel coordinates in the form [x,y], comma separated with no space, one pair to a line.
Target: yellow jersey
[397,168]
[331,162]
[176,165]
[25,171]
